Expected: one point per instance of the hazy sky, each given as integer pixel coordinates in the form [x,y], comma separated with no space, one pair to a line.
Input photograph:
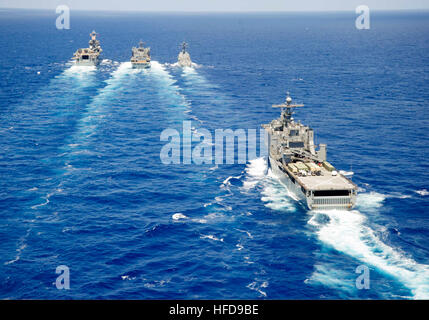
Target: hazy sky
[218,5]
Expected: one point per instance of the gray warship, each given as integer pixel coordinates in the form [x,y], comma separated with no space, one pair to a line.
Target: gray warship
[140,58]
[184,59]
[305,172]
[89,56]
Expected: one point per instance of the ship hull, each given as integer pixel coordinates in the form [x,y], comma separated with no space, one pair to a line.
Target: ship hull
[287,182]
[308,199]
[87,63]
[184,60]
[140,65]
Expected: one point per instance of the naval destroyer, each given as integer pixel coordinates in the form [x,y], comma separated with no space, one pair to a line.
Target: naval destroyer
[140,58]
[293,158]
[184,59]
[89,56]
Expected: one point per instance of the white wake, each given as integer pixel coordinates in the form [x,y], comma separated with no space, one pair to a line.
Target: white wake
[348,232]
[345,231]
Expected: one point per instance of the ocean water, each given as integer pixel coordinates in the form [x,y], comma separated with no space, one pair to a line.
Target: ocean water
[82,184]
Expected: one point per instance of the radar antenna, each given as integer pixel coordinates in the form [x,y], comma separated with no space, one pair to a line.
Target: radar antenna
[141,44]
[287,108]
[93,35]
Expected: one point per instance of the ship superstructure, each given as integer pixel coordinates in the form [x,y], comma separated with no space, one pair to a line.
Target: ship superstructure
[140,58]
[89,56]
[293,158]
[184,59]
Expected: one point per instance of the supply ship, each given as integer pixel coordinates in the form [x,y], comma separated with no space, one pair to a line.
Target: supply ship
[305,171]
[89,56]
[140,58]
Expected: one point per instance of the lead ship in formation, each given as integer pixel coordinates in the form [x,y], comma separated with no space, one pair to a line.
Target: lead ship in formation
[89,56]
[184,59]
[303,169]
[140,58]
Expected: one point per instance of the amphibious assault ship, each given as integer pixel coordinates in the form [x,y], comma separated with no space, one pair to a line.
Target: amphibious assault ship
[293,158]
[184,59]
[140,58]
[89,56]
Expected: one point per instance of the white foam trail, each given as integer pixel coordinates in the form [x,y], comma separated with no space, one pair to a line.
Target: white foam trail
[189,70]
[246,232]
[108,62]
[258,286]
[46,199]
[277,197]
[61,87]
[169,87]
[163,76]
[178,216]
[348,233]
[194,78]
[74,69]
[158,69]
[370,201]
[21,247]
[227,180]
[423,192]
[18,256]
[93,114]
[41,204]
[84,74]
[211,237]
[256,171]
[176,65]
[398,195]
[333,278]
[124,68]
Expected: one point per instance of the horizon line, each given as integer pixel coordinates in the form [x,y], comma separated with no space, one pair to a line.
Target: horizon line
[219,11]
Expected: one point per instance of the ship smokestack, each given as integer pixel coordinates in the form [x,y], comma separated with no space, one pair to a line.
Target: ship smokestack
[321,153]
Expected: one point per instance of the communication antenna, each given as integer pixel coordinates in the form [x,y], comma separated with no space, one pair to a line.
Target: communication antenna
[287,107]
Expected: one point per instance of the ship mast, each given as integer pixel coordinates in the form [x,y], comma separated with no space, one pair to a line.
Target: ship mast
[93,35]
[94,44]
[184,44]
[287,108]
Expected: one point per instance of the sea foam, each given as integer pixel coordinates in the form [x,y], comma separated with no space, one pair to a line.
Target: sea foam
[349,233]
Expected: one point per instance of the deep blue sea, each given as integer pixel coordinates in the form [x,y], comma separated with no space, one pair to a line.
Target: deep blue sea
[82,184]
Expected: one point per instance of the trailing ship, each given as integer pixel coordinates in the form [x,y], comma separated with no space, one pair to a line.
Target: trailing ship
[140,58]
[305,171]
[89,56]
[184,59]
